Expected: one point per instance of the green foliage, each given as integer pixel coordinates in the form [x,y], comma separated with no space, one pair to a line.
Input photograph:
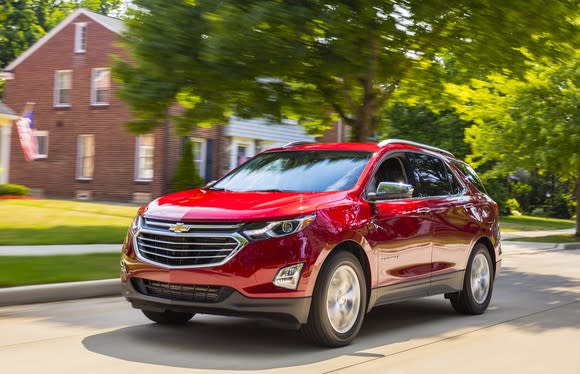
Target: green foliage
[186,177]
[13,189]
[513,207]
[24,22]
[418,123]
[316,60]
[530,123]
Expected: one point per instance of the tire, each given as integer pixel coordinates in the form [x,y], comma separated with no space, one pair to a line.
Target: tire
[473,299]
[168,317]
[341,279]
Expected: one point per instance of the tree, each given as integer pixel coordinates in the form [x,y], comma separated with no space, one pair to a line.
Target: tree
[23,22]
[418,123]
[315,60]
[186,177]
[530,123]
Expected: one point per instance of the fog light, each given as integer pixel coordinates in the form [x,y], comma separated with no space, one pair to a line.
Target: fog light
[288,277]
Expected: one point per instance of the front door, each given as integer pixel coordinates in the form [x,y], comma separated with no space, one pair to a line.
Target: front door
[401,235]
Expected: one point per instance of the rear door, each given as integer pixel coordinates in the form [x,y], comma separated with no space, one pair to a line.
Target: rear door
[452,217]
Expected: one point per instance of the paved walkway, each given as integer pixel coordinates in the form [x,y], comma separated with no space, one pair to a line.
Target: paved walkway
[535,234]
[48,250]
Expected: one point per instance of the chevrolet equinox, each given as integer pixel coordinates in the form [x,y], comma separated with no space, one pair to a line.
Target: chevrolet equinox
[316,235]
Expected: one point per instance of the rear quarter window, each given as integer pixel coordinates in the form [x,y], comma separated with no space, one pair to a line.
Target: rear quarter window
[470,175]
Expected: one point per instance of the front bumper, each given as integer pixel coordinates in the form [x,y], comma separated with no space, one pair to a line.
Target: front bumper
[288,310]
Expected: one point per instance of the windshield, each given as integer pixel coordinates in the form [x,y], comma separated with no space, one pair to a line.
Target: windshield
[297,171]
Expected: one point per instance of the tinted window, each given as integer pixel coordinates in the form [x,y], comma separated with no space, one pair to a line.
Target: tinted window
[470,175]
[456,187]
[297,171]
[431,175]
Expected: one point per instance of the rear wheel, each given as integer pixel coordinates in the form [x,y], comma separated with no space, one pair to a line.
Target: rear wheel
[339,302]
[477,285]
[168,317]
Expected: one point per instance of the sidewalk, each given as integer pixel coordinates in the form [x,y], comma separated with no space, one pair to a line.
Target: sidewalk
[535,234]
[49,250]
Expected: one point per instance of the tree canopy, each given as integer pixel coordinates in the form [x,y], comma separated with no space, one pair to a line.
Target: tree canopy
[315,61]
[23,22]
[531,123]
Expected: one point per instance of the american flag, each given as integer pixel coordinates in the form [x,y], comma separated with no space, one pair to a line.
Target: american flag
[27,138]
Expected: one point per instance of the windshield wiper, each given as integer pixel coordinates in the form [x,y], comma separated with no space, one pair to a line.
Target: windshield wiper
[270,190]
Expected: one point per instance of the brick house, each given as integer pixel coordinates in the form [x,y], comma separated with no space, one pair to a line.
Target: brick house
[84,150]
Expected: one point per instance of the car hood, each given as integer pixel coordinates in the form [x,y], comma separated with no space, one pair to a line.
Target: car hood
[209,205]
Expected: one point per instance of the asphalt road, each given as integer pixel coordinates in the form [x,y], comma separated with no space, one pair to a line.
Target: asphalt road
[532,326]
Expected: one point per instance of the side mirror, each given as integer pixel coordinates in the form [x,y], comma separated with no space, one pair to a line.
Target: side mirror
[391,190]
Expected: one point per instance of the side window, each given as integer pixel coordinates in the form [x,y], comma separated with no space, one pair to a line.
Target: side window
[470,175]
[431,175]
[456,187]
[391,170]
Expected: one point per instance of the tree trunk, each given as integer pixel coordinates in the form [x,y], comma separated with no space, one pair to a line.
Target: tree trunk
[360,130]
[578,203]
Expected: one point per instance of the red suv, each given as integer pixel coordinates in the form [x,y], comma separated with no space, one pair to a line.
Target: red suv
[317,235]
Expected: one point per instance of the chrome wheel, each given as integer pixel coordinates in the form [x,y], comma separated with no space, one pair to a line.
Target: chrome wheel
[343,299]
[480,278]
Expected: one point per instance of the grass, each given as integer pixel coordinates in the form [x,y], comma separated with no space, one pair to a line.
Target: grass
[527,223]
[27,270]
[548,239]
[43,222]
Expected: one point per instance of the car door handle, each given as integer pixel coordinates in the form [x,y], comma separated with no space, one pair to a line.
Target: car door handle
[423,210]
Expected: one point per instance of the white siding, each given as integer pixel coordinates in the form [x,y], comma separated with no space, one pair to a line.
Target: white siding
[262,130]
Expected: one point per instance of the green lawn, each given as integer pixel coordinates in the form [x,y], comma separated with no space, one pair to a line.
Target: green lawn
[35,222]
[26,270]
[548,239]
[527,223]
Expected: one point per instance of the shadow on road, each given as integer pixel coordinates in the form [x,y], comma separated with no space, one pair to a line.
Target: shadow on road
[213,343]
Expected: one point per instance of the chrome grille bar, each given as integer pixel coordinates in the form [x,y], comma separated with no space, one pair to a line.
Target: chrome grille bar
[201,245]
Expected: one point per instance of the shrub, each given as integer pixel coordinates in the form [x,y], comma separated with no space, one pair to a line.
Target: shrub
[186,177]
[513,207]
[13,189]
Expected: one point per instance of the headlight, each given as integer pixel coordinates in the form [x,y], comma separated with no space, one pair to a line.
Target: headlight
[136,224]
[265,230]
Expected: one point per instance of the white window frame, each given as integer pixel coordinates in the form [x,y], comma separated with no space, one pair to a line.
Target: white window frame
[39,133]
[247,142]
[94,101]
[203,154]
[81,155]
[138,177]
[80,37]
[57,89]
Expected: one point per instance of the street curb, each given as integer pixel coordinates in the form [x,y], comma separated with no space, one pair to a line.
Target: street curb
[45,293]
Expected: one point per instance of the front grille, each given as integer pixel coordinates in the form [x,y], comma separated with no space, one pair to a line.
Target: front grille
[201,244]
[181,292]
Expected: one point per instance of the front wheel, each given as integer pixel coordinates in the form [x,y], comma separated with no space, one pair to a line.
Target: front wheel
[477,285]
[339,302]
[168,317]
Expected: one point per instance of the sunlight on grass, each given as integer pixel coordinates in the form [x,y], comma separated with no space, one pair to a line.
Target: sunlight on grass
[34,222]
[528,223]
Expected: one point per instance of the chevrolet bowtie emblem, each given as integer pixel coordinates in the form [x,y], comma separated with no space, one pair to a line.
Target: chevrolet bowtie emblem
[179,227]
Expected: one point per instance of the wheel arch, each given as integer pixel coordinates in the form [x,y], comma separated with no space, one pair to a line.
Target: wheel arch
[358,251]
[489,245]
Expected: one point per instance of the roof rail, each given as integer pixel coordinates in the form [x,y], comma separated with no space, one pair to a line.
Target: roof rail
[296,144]
[420,145]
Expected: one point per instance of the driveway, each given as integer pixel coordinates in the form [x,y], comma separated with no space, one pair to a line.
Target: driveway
[532,326]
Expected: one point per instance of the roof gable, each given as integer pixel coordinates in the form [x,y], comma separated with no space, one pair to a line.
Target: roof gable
[113,24]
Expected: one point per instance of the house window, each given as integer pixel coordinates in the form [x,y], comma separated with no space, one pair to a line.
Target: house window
[42,141]
[86,157]
[80,37]
[242,154]
[199,155]
[62,88]
[100,86]
[144,158]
